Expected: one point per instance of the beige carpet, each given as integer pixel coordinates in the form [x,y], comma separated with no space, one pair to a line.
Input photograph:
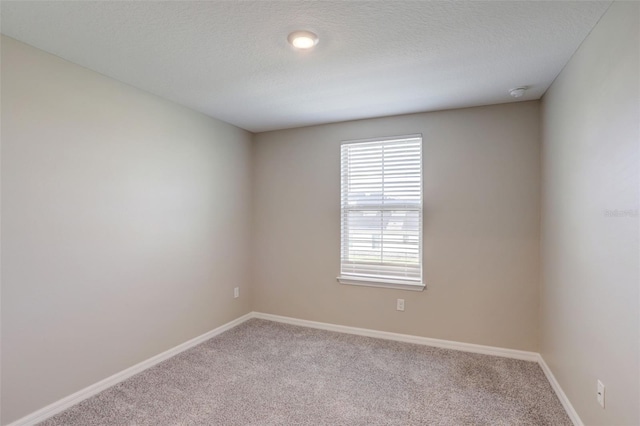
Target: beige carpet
[266,373]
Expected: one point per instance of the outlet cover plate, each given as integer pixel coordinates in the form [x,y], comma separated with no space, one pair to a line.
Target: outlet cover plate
[600,394]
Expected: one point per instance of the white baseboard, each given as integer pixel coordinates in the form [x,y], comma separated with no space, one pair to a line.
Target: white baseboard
[571,412]
[446,344]
[73,399]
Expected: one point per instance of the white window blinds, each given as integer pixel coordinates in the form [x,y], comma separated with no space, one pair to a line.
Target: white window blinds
[381,207]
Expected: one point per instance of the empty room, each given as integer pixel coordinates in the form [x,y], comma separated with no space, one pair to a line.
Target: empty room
[320,213]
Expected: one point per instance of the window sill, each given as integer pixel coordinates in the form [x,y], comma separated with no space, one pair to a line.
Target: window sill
[373,282]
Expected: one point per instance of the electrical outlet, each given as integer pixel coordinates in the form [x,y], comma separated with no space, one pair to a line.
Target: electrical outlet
[400,305]
[600,394]
[236,292]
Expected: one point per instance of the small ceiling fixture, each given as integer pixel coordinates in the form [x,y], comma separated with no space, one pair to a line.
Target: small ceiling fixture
[303,39]
[517,92]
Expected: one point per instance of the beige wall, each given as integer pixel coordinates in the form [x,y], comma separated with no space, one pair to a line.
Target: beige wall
[124,226]
[481,235]
[589,296]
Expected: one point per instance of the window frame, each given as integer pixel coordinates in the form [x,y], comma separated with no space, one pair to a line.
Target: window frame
[391,282]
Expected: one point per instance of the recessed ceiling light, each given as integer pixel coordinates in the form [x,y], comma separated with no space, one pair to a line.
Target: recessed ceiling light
[303,39]
[517,92]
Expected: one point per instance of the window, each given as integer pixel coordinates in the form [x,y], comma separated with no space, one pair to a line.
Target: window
[381,212]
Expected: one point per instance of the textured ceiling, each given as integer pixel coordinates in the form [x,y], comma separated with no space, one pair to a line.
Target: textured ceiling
[231,60]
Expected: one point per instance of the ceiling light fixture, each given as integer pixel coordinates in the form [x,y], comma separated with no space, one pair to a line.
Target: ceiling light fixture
[517,92]
[303,39]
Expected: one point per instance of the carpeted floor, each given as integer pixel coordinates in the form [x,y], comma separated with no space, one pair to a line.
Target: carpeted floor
[267,373]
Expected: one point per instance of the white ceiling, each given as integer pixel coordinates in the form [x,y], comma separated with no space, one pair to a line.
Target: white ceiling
[231,60]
